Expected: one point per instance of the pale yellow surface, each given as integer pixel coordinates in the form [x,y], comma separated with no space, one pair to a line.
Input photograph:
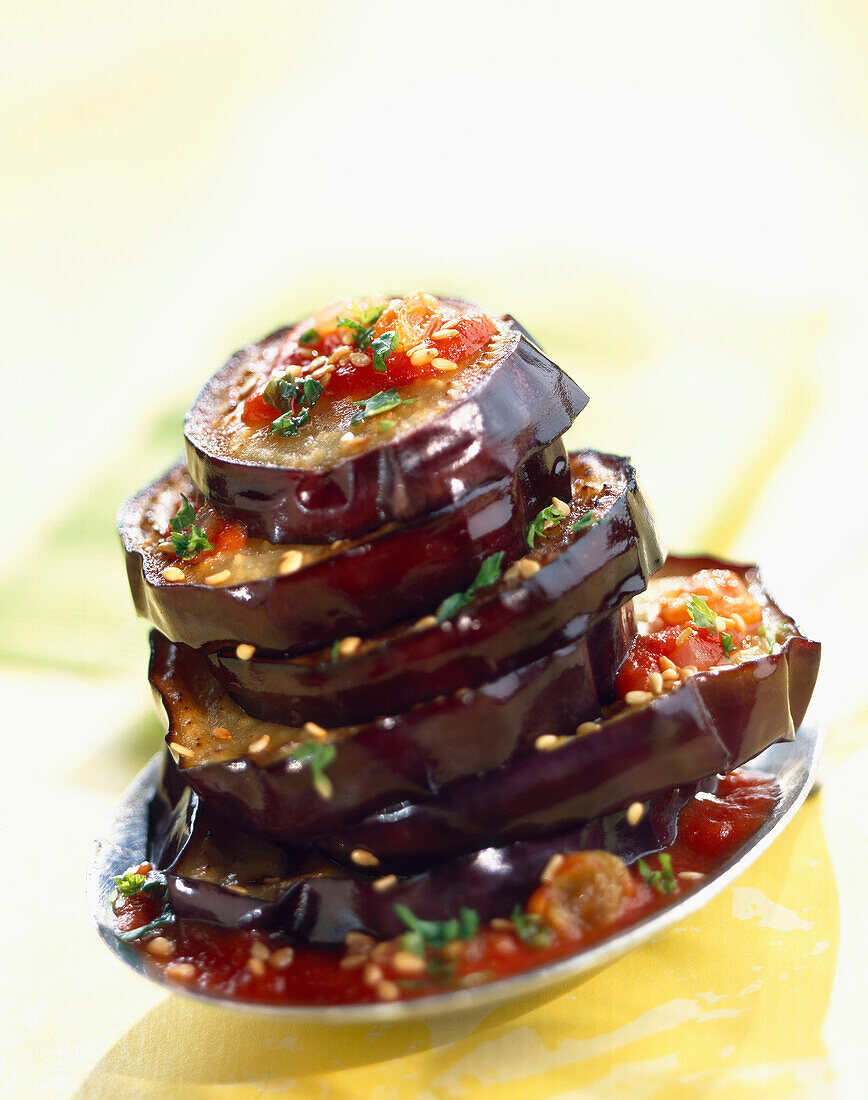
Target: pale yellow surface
[672,197]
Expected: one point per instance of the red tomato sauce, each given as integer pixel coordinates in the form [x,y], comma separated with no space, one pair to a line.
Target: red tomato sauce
[711,828]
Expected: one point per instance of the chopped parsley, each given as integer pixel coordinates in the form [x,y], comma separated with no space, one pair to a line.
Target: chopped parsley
[381,348]
[318,755]
[701,613]
[728,645]
[382,401]
[489,572]
[663,881]
[538,525]
[336,649]
[130,883]
[311,336]
[769,637]
[363,328]
[529,928]
[294,399]
[187,539]
[386,425]
[583,522]
[436,933]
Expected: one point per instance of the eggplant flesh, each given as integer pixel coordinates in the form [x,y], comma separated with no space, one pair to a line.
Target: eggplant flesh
[712,723]
[248,772]
[218,875]
[358,589]
[521,405]
[509,624]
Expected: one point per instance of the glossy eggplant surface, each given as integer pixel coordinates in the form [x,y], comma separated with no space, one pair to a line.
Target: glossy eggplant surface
[220,875]
[292,783]
[712,722]
[582,576]
[297,598]
[464,430]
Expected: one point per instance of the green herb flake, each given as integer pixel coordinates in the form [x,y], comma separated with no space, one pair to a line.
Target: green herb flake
[318,755]
[311,336]
[382,401]
[288,425]
[130,883]
[728,645]
[186,516]
[583,522]
[381,348]
[663,880]
[386,425]
[363,328]
[336,649]
[769,637]
[489,572]
[188,544]
[701,613]
[538,525]
[435,933]
[530,928]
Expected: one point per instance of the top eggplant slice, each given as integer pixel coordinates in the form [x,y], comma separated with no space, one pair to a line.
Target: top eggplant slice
[582,576]
[711,721]
[297,598]
[349,468]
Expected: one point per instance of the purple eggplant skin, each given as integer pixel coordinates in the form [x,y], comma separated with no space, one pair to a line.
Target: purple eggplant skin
[592,572]
[318,909]
[362,589]
[713,723]
[407,755]
[524,404]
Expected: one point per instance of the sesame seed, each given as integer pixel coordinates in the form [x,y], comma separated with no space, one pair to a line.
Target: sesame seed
[306,353]
[281,958]
[323,374]
[444,334]
[363,858]
[421,356]
[501,924]
[353,962]
[181,972]
[444,365]
[684,635]
[244,651]
[669,675]
[388,991]
[665,664]
[427,621]
[340,353]
[290,562]
[348,646]
[315,731]
[181,750]
[173,573]
[382,951]
[241,890]
[655,683]
[635,813]
[256,966]
[359,359]
[260,744]
[358,941]
[739,622]
[382,885]
[218,578]
[160,946]
[688,671]
[561,506]
[528,567]
[587,727]
[691,876]
[720,624]
[259,950]
[405,962]
[637,698]
[221,733]
[316,364]
[372,974]
[546,742]
[552,868]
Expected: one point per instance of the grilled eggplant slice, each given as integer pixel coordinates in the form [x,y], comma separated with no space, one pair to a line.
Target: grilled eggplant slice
[712,722]
[296,598]
[291,783]
[338,476]
[237,880]
[583,575]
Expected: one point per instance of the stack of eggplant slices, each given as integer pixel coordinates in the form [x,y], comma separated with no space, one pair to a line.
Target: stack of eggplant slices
[438,709]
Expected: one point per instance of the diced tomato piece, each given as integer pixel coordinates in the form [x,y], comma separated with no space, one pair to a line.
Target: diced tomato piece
[714,824]
[257,412]
[700,648]
[724,591]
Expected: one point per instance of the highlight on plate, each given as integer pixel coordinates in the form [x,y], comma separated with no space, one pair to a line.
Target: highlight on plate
[439,710]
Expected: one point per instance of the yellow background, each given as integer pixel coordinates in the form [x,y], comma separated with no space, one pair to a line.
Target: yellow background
[672,197]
